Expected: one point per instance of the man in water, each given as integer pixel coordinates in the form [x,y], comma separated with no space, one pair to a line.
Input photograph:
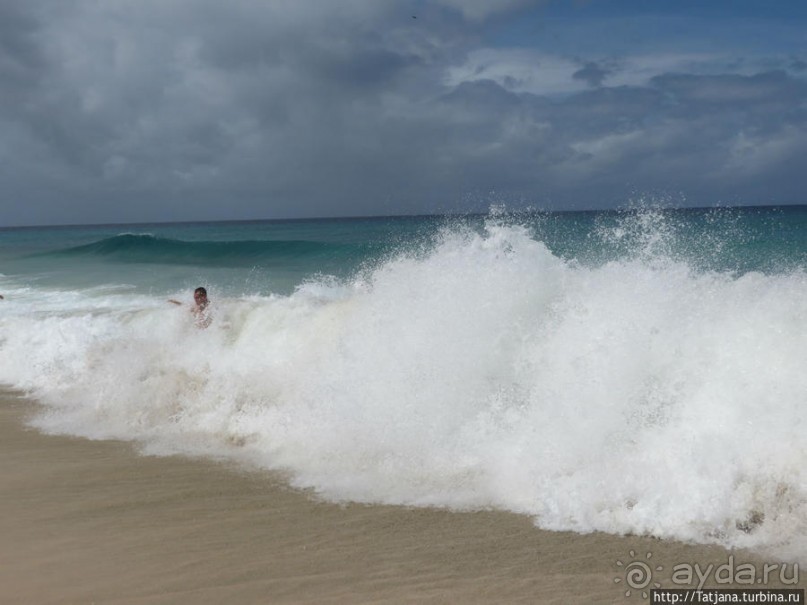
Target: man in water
[199,309]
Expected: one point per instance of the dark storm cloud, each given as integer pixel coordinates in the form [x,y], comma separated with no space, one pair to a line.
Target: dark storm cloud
[729,138]
[731,90]
[20,58]
[592,74]
[269,104]
[143,110]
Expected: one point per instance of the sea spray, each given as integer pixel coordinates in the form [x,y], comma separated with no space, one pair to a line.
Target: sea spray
[636,392]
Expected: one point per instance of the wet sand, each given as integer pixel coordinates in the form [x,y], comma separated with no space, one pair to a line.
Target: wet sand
[94,522]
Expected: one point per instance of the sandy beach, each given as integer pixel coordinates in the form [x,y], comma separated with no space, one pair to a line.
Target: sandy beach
[94,522]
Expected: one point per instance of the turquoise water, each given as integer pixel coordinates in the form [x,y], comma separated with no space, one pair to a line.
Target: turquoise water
[236,258]
[265,257]
[638,371]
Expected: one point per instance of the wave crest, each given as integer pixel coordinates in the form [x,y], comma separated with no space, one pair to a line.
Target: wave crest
[148,248]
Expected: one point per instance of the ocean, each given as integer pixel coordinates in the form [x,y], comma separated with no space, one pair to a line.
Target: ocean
[639,371]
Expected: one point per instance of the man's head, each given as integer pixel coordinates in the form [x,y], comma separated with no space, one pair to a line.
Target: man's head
[200,296]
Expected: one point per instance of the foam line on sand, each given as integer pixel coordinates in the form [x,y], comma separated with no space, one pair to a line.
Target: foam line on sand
[95,522]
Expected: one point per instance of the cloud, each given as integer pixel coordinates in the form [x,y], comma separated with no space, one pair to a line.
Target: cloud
[478,10]
[518,70]
[166,99]
[592,74]
[731,89]
[147,110]
[723,137]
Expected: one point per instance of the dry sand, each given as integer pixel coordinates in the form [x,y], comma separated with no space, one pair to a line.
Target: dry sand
[94,522]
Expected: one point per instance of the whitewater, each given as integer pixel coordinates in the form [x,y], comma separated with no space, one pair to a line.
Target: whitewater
[618,375]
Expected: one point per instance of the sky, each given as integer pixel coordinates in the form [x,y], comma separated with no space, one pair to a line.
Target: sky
[178,110]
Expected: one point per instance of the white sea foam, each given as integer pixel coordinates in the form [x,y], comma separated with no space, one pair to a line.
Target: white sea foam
[635,396]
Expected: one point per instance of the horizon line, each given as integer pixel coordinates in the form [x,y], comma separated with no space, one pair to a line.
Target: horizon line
[401,216]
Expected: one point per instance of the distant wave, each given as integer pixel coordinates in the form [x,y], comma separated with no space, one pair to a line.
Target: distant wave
[148,248]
